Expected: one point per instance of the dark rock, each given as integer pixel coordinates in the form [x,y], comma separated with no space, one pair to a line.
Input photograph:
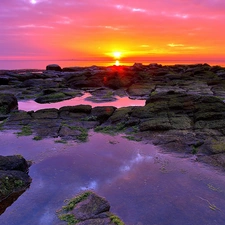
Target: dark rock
[121,114]
[78,111]
[4,80]
[14,179]
[54,67]
[53,97]
[92,207]
[89,208]
[101,221]
[140,90]
[8,102]
[15,162]
[102,113]
[45,114]
[12,182]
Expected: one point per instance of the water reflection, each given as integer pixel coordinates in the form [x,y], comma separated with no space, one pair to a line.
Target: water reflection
[120,102]
[117,63]
[142,185]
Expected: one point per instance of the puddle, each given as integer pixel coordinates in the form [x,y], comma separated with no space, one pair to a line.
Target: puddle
[143,185]
[29,105]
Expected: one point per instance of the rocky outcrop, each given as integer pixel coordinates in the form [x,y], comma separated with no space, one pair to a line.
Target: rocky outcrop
[14,179]
[88,208]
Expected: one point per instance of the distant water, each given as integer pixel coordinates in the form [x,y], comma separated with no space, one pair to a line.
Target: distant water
[41,64]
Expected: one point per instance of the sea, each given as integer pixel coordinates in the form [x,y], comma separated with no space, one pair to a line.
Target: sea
[41,64]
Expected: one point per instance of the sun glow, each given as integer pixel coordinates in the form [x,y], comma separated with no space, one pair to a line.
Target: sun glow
[117,63]
[117,55]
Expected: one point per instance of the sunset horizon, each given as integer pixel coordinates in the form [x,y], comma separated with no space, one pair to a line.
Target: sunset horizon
[140,30]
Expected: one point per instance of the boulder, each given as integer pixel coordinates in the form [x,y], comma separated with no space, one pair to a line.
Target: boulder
[14,179]
[15,162]
[54,67]
[88,208]
[8,102]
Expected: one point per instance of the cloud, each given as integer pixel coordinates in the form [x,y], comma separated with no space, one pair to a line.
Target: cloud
[175,45]
[35,26]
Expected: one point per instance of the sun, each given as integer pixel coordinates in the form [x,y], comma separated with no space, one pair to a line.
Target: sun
[117,55]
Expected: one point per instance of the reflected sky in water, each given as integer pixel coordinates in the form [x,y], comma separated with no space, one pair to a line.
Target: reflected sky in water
[83,100]
[143,185]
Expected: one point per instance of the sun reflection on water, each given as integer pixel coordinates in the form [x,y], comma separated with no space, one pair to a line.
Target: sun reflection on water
[117,63]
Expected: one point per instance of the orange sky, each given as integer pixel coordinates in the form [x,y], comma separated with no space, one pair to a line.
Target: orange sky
[69,29]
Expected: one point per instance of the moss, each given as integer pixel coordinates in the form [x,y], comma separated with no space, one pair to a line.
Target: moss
[74,201]
[4,109]
[116,220]
[69,218]
[2,124]
[83,135]
[66,216]
[218,146]
[25,131]
[112,130]
[108,94]
[9,184]
[89,118]
[61,141]
[37,138]
[132,138]
[194,150]
[55,96]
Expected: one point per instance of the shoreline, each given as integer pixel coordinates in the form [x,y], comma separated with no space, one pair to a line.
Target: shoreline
[184,109]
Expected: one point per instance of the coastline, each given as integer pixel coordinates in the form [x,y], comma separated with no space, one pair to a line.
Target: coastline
[41,64]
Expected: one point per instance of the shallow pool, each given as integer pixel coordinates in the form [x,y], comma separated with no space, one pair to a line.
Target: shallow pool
[29,105]
[143,185]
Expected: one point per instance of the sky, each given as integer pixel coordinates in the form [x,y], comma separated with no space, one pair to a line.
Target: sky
[85,29]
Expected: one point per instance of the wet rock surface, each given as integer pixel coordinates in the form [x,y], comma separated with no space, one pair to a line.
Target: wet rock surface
[88,208]
[184,110]
[14,179]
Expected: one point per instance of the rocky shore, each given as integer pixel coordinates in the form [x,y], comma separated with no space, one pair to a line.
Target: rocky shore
[184,110]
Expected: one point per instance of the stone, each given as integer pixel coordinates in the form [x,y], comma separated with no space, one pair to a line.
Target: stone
[89,209]
[54,67]
[15,162]
[8,103]
[14,179]
[45,114]
[102,113]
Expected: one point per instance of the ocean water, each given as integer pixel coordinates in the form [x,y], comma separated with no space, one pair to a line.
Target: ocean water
[41,64]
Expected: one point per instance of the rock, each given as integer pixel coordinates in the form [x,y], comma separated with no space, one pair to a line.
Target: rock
[140,90]
[121,114]
[88,208]
[45,114]
[14,179]
[15,162]
[53,97]
[102,113]
[54,67]
[8,102]
[4,80]
[71,112]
